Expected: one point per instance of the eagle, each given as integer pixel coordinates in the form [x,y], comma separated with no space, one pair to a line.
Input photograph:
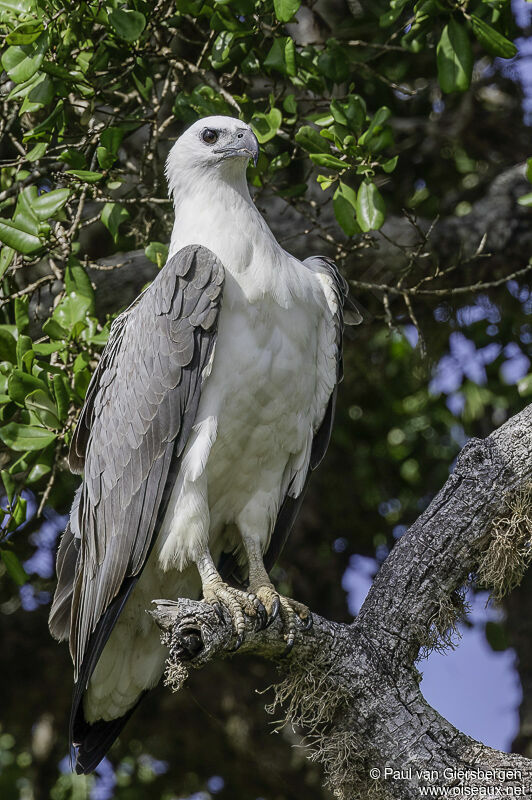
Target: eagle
[212,403]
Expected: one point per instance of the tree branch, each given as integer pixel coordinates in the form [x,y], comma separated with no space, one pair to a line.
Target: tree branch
[354,688]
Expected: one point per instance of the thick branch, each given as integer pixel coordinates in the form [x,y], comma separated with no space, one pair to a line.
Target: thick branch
[354,688]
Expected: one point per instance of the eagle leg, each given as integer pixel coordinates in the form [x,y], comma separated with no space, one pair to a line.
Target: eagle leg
[238,603]
[291,611]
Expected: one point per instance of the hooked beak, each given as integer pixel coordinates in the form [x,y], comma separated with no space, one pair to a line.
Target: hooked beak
[246,144]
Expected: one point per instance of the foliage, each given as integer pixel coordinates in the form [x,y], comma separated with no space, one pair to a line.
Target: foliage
[361,111]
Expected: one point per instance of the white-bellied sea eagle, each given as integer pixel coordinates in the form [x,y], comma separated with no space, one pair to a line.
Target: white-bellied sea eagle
[211,404]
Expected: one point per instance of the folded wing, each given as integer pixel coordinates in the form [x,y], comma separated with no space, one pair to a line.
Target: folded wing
[140,408]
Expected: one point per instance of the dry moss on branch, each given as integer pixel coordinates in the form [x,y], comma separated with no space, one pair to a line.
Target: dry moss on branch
[312,699]
[509,553]
[442,633]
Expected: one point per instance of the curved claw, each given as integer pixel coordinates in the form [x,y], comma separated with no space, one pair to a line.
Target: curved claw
[238,643]
[307,623]
[219,613]
[276,605]
[288,649]
[262,617]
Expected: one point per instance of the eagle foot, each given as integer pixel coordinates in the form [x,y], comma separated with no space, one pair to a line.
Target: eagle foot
[293,613]
[238,603]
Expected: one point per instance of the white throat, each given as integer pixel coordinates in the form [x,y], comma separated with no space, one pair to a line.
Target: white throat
[213,208]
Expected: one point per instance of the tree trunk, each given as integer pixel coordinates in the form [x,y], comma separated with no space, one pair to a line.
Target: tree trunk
[354,689]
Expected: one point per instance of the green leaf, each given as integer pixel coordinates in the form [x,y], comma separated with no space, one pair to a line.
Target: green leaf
[86,175]
[21,464]
[25,217]
[37,151]
[49,203]
[454,58]
[127,23]
[290,104]
[10,8]
[18,514]
[61,396]
[491,40]
[112,216]
[81,362]
[45,127]
[390,164]
[81,382]
[157,252]
[325,181]
[72,309]
[370,207]
[24,352]
[77,280]
[333,62]
[338,112]
[285,9]
[221,48]
[6,257]
[344,203]
[8,346]
[111,139]
[389,17]
[74,158]
[326,160]
[46,348]
[22,318]
[496,636]
[380,117]
[295,190]
[26,32]
[524,387]
[20,90]
[281,56]
[20,384]
[39,95]
[13,566]
[44,408]
[24,242]
[529,170]
[21,62]
[311,141]
[25,437]
[265,126]
[54,330]
[105,158]
[110,142]
[38,471]
[525,200]
[9,485]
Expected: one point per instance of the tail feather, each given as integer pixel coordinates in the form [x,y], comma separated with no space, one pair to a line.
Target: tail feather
[96,739]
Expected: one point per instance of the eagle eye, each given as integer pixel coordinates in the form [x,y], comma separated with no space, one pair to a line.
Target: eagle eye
[209,136]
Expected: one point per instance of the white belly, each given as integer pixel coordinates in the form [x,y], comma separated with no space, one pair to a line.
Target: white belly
[255,421]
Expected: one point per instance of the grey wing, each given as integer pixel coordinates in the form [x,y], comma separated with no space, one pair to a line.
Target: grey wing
[292,502]
[139,411]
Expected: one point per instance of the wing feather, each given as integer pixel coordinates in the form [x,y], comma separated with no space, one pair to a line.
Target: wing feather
[139,411]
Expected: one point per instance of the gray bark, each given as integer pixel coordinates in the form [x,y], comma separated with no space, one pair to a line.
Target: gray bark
[354,689]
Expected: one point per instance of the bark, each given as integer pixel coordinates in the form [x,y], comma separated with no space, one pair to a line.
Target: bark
[354,689]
